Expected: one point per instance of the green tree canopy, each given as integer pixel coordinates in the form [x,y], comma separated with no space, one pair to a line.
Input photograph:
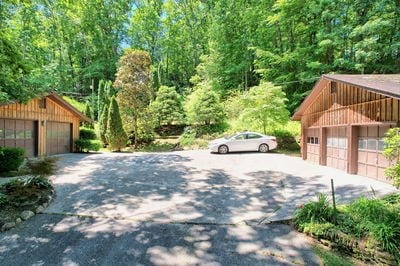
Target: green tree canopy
[134,81]
[264,107]
[167,106]
[204,106]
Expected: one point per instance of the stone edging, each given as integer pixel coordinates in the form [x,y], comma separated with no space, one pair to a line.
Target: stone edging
[27,214]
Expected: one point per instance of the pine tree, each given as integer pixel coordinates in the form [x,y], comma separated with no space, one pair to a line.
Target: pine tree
[88,113]
[103,119]
[115,134]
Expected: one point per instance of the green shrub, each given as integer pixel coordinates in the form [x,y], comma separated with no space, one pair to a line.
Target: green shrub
[3,199]
[86,145]
[188,137]
[314,212]
[21,189]
[11,158]
[379,220]
[87,133]
[286,139]
[44,166]
[317,229]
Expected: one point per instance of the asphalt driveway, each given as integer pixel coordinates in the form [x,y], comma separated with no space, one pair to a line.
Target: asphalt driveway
[180,208]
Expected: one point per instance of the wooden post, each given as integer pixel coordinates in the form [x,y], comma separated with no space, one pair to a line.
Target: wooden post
[352,149]
[322,146]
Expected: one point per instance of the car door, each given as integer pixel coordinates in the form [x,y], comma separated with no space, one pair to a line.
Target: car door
[253,141]
[238,143]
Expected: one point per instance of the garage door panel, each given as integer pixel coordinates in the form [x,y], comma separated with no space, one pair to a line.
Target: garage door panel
[19,133]
[362,156]
[58,138]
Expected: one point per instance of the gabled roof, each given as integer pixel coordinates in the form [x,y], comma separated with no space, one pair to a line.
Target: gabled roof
[385,84]
[59,100]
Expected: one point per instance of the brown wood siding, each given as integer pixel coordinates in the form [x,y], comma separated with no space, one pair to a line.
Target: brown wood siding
[350,105]
[32,111]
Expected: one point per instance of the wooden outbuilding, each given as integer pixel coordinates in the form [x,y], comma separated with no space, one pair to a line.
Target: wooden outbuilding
[344,120]
[43,126]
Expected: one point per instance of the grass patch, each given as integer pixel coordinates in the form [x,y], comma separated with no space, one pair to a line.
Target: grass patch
[332,258]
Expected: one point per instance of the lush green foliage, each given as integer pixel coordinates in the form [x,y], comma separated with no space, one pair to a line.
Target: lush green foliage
[21,189]
[87,133]
[86,145]
[65,46]
[260,108]
[44,166]
[134,80]
[11,158]
[203,106]
[167,107]
[103,120]
[3,199]
[376,221]
[314,212]
[392,152]
[115,134]
[87,140]
[77,104]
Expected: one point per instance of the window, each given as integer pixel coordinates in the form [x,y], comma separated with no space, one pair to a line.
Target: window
[362,143]
[371,144]
[381,144]
[312,140]
[240,137]
[1,134]
[10,134]
[253,136]
[42,103]
[342,143]
[20,134]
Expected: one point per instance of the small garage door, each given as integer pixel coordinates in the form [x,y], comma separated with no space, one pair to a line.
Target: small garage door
[313,145]
[371,162]
[58,138]
[19,133]
[336,148]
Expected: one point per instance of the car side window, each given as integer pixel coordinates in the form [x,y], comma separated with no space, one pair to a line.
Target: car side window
[240,137]
[253,136]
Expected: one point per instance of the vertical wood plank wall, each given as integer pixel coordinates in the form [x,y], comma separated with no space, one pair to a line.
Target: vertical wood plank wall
[32,111]
[350,105]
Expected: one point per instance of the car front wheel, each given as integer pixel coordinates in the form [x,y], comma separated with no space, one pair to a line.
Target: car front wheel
[223,149]
[263,148]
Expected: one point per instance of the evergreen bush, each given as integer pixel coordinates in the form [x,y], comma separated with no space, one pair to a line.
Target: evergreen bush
[87,133]
[11,158]
[115,135]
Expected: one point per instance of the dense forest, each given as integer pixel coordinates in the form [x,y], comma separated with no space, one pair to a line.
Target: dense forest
[69,46]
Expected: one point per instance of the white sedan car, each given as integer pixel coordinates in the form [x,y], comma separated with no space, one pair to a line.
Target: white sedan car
[245,141]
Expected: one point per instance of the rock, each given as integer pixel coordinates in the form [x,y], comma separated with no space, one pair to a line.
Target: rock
[39,209]
[45,205]
[25,215]
[18,220]
[8,226]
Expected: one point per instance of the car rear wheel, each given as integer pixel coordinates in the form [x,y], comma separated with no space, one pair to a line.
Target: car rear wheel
[263,148]
[223,149]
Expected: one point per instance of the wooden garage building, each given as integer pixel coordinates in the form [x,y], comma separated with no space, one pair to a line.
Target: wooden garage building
[344,120]
[43,126]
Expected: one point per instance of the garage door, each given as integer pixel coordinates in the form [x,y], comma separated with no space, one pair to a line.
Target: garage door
[336,148]
[313,145]
[371,162]
[19,133]
[58,138]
